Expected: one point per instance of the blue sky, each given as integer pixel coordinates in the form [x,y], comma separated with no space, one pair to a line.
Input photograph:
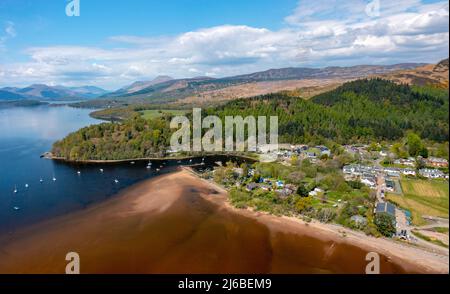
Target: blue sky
[113,43]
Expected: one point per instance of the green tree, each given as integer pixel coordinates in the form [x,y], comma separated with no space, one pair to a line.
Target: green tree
[385,224]
[424,152]
[414,143]
[302,190]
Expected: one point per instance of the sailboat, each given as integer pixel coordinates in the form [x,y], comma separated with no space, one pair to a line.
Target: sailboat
[26,186]
[16,208]
[15,189]
[116,181]
[41,180]
[54,179]
[78,172]
[101,170]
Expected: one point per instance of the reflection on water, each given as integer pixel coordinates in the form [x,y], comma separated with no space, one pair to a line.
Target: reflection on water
[33,188]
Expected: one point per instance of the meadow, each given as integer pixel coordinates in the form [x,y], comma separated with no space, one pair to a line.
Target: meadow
[155,113]
[423,197]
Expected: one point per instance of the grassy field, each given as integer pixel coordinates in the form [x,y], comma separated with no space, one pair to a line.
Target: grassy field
[429,239]
[423,197]
[149,114]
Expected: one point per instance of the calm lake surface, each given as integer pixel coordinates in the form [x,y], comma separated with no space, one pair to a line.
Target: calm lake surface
[25,134]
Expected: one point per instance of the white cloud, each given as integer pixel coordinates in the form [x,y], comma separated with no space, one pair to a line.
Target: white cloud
[10,30]
[8,33]
[317,33]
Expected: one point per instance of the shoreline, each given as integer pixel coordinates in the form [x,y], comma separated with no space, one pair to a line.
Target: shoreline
[50,156]
[128,223]
[393,249]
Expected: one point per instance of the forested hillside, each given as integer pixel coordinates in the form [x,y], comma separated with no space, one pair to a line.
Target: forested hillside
[358,111]
[134,138]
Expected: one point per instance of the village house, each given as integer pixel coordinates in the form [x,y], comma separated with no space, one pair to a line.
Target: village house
[432,173]
[266,187]
[286,191]
[383,153]
[316,192]
[408,162]
[324,150]
[390,185]
[385,207]
[359,220]
[409,172]
[436,162]
[392,172]
[369,180]
[252,186]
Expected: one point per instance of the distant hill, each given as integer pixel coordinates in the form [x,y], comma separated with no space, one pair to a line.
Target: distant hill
[49,93]
[294,73]
[431,74]
[206,89]
[137,86]
[7,95]
[89,91]
[20,103]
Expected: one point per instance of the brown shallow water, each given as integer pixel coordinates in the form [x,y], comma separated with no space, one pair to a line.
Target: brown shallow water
[165,226]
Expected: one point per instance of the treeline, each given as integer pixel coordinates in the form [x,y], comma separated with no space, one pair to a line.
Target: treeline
[358,111]
[134,138]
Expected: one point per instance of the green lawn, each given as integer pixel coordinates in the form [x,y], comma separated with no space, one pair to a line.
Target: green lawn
[154,113]
[423,197]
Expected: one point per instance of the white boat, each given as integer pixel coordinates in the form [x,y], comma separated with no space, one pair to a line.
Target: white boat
[26,186]
[116,181]
[15,190]
[149,167]
[78,172]
[132,162]
[157,169]
[41,180]
[190,160]
[54,179]
[101,170]
[16,208]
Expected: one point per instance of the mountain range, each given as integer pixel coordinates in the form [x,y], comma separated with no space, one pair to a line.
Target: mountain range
[199,90]
[206,89]
[43,92]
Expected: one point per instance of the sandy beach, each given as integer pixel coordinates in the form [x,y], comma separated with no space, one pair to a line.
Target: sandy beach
[178,223]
